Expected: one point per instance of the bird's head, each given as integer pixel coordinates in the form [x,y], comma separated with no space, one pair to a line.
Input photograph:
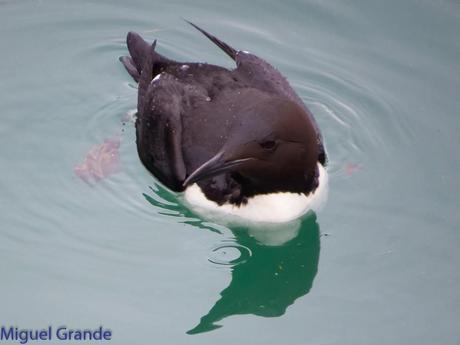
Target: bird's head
[272,147]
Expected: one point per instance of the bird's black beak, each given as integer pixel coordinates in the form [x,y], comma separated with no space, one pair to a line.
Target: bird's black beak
[215,166]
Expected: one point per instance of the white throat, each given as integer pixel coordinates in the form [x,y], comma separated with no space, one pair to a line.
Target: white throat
[272,208]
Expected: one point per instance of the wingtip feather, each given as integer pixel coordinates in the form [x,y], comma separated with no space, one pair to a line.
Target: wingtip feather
[221,44]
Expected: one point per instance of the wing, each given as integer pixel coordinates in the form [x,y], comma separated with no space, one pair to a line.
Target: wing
[159,128]
[221,44]
[264,76]
[256,70]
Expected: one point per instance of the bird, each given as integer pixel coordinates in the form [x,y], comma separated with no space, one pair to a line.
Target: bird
[238,141]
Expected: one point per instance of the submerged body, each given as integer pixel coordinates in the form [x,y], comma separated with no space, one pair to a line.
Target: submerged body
[228,138]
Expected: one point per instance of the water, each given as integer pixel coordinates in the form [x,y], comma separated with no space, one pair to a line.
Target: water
[378,265]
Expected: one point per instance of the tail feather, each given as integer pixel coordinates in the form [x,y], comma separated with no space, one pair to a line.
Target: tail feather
[140,52]
[222,45]
[138,49]
[129,65]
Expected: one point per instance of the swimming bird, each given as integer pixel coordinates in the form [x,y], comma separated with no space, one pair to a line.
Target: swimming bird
[239,141]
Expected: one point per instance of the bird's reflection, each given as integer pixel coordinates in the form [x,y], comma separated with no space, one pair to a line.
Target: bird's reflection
[281,268]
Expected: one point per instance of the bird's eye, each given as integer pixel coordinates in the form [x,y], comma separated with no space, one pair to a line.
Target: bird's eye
[268,144]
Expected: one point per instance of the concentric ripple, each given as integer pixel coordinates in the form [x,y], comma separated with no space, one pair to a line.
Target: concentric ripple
[229,254]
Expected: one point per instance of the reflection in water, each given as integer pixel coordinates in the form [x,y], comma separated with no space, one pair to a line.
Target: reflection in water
[166,201]
[270,280]
[271,275]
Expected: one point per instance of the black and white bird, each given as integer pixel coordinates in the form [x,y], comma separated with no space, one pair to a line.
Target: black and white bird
[239,141]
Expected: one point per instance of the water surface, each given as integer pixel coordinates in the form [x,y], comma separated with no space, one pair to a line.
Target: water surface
[378,265]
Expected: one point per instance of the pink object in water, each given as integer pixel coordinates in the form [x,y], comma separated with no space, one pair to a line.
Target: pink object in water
[351,168]
[101,161]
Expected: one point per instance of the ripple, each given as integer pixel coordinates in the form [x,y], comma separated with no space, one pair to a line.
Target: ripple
[229,254]
[350,116]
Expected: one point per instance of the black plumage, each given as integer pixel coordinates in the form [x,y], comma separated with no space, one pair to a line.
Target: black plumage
[236,133]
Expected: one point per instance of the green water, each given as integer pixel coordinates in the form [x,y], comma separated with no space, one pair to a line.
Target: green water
[379,264]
